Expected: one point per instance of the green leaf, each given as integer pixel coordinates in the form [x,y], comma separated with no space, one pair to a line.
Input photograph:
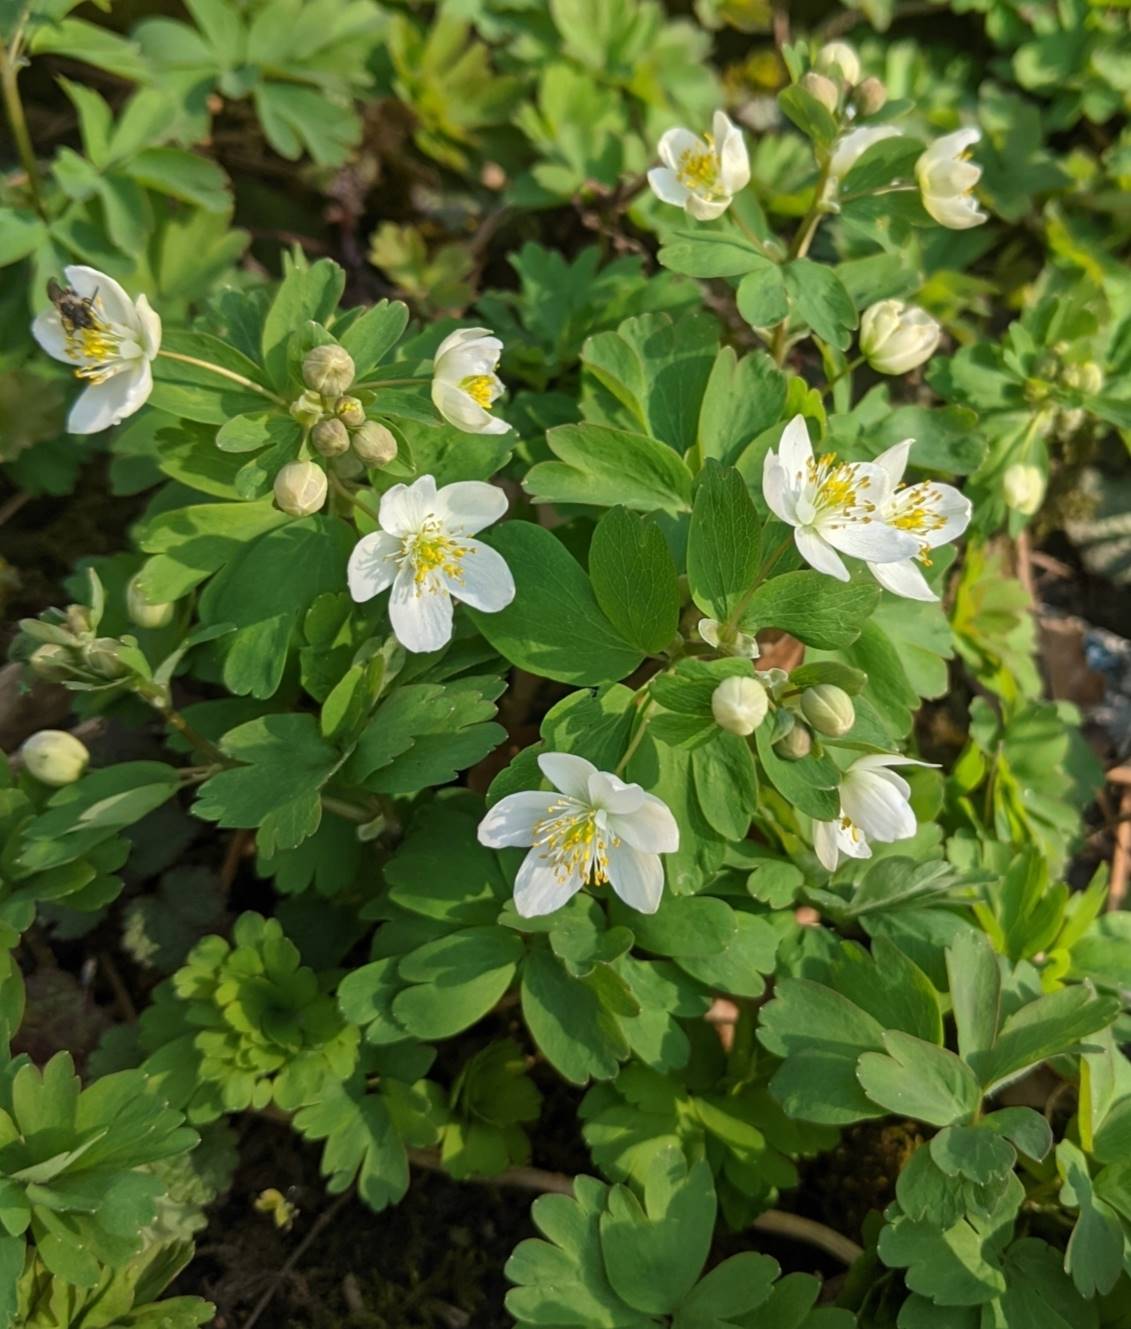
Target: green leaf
[724,543]
[568,1022]
[554,626]
[740,1284]
[809,783]
[606,467]
[762,296]
[812,117]
[1094,1256]
[457,979]
[882,164]
[820,298]
[21,234]
[918,1079]
[370,338]
[975,990]
[707,253]
[683,925]
[634,579]
[182,175]
[815,609]
[192,543]
[306,294]
[744,961]
[744,398]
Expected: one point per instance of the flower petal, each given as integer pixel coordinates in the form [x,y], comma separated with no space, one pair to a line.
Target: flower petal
[47,329]
[484,581]
[776,490]
[877,807]
[468,505]
[818,554]
[512,820]
[893,461]
[637,878]
[372,565]
[109,297]
[104,404]
[795,449]
[538,889]
[404,508]
[460,409]
[903,578]
[873,541]
[666,186]
[610,792]
[568,773]
[421,615]
[149,326]
[825,844]
[651,828]
[734,160]
[706,209]
[675,143]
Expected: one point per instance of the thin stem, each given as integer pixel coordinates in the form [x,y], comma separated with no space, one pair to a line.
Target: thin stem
[637,738]
[751,237]
[224,373]
[390,383]
[14,109]
[351,496]
[798,248]
[764,571]
[849,368]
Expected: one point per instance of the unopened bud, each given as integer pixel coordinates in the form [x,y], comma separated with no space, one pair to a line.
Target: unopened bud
[145,613]
[1087,377]
[307,409]
[840,60]
[350,412]
[331,438]
[821,89]
[51,662]
[102,657]
[374,444]
[300,488]
[328,370]
[828,709]
[739,705]
[796,744]
[54,757]
[80,620]
[896,338]
[871,96]
[1023,486]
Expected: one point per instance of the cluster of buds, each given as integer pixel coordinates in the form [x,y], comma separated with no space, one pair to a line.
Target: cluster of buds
[836,78]
[339,432]
[63,646]
[742,703]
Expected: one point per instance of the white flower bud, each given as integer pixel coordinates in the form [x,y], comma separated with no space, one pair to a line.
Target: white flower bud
[896,338]
[331,438]
[821,89]
[828,709]
[871,96]
[300,488]
[374,444]
[307,409]
[54,757]
[796,744]
[350,412]
[1087,377]
[1023,486]
[144,612]
[51,662]
[102,657]
[328,370]
[739,705]
[839,59]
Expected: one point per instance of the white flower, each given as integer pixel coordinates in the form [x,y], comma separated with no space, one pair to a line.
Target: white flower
[701,175]
[739,705]
[464,382]
[839,58]
[896,338]
[946,177]
[728,641]
[934,514]
[424,551]
[831,505]
[874,805]
[1023,486]
[596,829]
[110,339]
[848,152]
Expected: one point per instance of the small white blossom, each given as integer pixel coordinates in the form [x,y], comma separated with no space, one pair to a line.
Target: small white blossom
[424,551]
[839,58]
[833,506]
[848,152]
[739,705]
[701,175]
[946,178]
[110,340]
[896,338]
[595,830]
[744,645]
[874,806]
[1023,486]
[464,383]
[932,513]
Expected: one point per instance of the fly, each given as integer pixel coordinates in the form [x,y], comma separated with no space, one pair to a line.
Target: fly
[76,311]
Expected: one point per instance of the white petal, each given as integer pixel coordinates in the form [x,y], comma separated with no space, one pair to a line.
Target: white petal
[372,565]
[904,579]
[465,338]
[958,212]
[852,146]
[404,508]
[893,462]
[666,186]
[880,810]
[652,827]
[825,844]
[104,404]
[817,553]
[568,773]
[873,541]
[469,505]
[539,890]
[878,761]
[110,298]
[950,145]
[777,491]
[512,820]
[734,161]
[460,409]
[955,509]
[637,878]
[610,792]
[484,581]
[149,325]
[706,209]
[421,616]
[47,329]
[675,143]
[795,448]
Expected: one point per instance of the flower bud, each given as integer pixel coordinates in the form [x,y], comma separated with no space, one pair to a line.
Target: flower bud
[828,709]
[840,60]
[374,444]
[1087,377]
[350,412]
[54,757]
[80,620]
[328,370]
[300,488]
[821,89]
[728,641]
[307,409]
[1023,486]
[145,613]
[739,705]
[102,657]
[796,744]
[871,96]
[896,338]
[51,662]
[331,438]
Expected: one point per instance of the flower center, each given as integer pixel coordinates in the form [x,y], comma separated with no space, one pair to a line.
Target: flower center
[99,346]
[431,550]
[480,388]
[921,515]
[574,842]
[849,827]
[699,171]
[834,486]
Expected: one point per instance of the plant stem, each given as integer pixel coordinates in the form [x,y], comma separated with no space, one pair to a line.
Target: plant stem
[848,369]
[224,373]
[798,248]
[375,383]
[351,496]
[735,616]
[14,109]
[637,738]
[751,237]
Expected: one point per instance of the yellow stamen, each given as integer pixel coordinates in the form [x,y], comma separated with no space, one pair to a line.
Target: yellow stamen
[574,844]
[431,550]
[838,486]
[699,171]
[480,388]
